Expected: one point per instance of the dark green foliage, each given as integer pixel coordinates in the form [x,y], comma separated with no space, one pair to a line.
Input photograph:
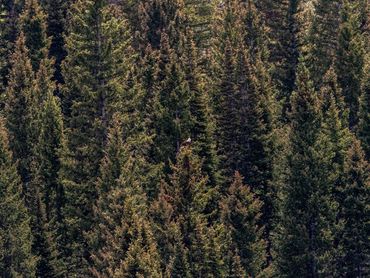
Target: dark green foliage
[181,220]
[255,36]
[129,122]
[41,187]
[129,247]
[199,19]
[283,23]
[94,72]
[331,91]
[354,212]
[40,244]
[322,39]
[157,17]
[121,192]
[56,28]
[47,153]
[306,210]
[364,117]
[16,259]
[335,123]
[240,213]
[17,111]
[201,129]
[9,12]
[33,25]
[350,59]
[245,104]
[245,108]
[172,119]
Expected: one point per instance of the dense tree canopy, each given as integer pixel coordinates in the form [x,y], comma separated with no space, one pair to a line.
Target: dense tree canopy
[184,138]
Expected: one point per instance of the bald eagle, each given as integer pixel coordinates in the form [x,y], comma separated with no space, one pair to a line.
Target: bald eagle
[187,142]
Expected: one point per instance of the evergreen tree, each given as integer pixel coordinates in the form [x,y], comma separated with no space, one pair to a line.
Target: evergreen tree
[9,12]
[160,40]
[129,247]
[255,36]
[245,110]
[121,113]
[94,71]
[33,25]
[16,258]
[240,213]
[56,28]
[201,127]
[284,26]
[364,117]
[322,39]
[306,210]
[24,99]
[181,216]
[335,128]
[17,108]
[47,149]
[142,257]
[354,212]
[157,17]
[199,18]
[123,242]
[40,242]
[227,117]
[335,121]
[331,91]
[172,118]
[50,145]
[350,59]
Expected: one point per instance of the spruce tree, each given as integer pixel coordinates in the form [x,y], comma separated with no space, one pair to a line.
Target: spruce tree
[47,148]
[161,41]
[25,96]
[48,156]
[335,123]
[172,118]
[245,110]
[181,215]
[364,117]
[16,258]
[201,125]
[56,28]
[240,213]
[322,39]
[283,29]
[244,101]
[9,12]
[40,242]
[174,254]
[256,35]
[199,15]
[94,72]
[123,242]
[129,247]
[33,25]
[17,108]
[157,17]
[354,245]
[331,91]
[304,232]
[350,59]
[142,257]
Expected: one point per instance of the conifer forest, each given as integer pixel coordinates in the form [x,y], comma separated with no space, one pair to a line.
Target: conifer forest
[184,138]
